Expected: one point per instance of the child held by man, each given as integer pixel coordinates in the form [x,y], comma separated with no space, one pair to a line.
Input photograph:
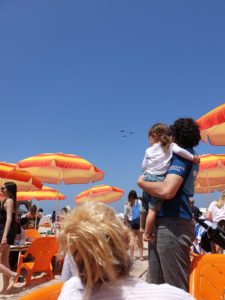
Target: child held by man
[155,165]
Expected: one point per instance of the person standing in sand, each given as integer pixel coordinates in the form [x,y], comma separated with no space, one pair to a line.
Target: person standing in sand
[7,232]
[174,225]
[155,166]
[132,220]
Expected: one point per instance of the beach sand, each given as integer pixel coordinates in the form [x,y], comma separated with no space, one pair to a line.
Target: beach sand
[138,269]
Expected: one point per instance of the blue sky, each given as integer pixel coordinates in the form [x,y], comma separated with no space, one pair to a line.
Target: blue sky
[74,73]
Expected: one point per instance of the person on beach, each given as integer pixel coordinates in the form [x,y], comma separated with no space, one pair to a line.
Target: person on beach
[97,241]
[155,166]
[19,240]
[216,213]
[194,209]
[41,213]
[174,225]
[33,217]
[58,224]
[132,220]
[7,233]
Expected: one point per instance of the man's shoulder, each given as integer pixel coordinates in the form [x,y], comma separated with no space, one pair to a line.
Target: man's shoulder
[179,165]
[177,159]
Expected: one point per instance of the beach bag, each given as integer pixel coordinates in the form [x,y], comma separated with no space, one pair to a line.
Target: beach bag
[135,223]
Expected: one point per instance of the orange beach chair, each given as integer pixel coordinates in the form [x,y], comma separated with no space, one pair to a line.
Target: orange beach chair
[32,234]
[42,250]
[207,279]
[47,293]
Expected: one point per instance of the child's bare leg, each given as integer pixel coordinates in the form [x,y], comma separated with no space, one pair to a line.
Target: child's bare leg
[143,216]
[150,221]
[140,244]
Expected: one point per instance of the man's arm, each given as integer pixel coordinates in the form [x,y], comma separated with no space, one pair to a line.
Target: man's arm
[165,190]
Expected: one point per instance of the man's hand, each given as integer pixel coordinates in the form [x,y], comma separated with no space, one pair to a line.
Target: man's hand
[196,160]
[140,181]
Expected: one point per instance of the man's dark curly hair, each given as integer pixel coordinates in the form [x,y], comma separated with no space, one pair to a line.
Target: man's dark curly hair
[186,132]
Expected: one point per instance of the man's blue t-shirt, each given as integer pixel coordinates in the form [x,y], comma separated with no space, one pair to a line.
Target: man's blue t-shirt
[179,205]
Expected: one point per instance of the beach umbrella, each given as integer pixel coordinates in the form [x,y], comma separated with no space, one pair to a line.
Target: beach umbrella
[100,193]
[209,189]
[212,126]
[46,193]
[211,170]
[23,179]
[56,168]
[210,177]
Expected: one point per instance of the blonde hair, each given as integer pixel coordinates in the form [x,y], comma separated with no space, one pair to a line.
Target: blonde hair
[162,134]
[221,201]
[98,242]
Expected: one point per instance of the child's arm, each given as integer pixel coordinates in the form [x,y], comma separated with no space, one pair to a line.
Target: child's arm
[184,153]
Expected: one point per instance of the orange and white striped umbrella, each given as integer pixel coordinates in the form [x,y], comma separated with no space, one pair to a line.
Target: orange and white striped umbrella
[100,193]
[211,170]
[58,167]
[212,126]
[46,193]
[211,189]
[23,180]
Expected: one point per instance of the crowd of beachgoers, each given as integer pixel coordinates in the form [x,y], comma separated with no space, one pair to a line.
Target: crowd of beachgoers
[96,247]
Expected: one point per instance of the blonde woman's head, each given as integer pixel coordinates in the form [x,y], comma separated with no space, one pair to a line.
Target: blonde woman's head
[98,242]
[221,201]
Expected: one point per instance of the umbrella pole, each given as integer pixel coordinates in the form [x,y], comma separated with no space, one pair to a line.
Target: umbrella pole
[56,210]
[36,218]
[209,192]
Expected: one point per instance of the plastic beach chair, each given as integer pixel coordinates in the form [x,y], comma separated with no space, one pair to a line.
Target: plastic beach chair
[47,293]
[207,279]
[32,234]
[42,250]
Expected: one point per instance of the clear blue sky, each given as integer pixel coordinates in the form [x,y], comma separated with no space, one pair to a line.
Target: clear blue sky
[74,73]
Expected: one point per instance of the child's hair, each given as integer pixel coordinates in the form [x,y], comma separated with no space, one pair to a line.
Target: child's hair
[162,133]
[98,241]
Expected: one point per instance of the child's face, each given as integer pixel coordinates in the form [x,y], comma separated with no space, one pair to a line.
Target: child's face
[152,139]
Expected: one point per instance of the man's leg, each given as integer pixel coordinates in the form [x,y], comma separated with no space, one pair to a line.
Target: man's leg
[154,272]
[174,238]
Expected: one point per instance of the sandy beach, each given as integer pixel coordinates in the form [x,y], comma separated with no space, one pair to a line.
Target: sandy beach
[138,269]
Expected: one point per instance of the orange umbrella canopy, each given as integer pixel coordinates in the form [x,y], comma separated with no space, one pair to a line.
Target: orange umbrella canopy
[46,193]
[23,180]
[100,193]
[211,170]
[58,167]
[212,126]
[209,189]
